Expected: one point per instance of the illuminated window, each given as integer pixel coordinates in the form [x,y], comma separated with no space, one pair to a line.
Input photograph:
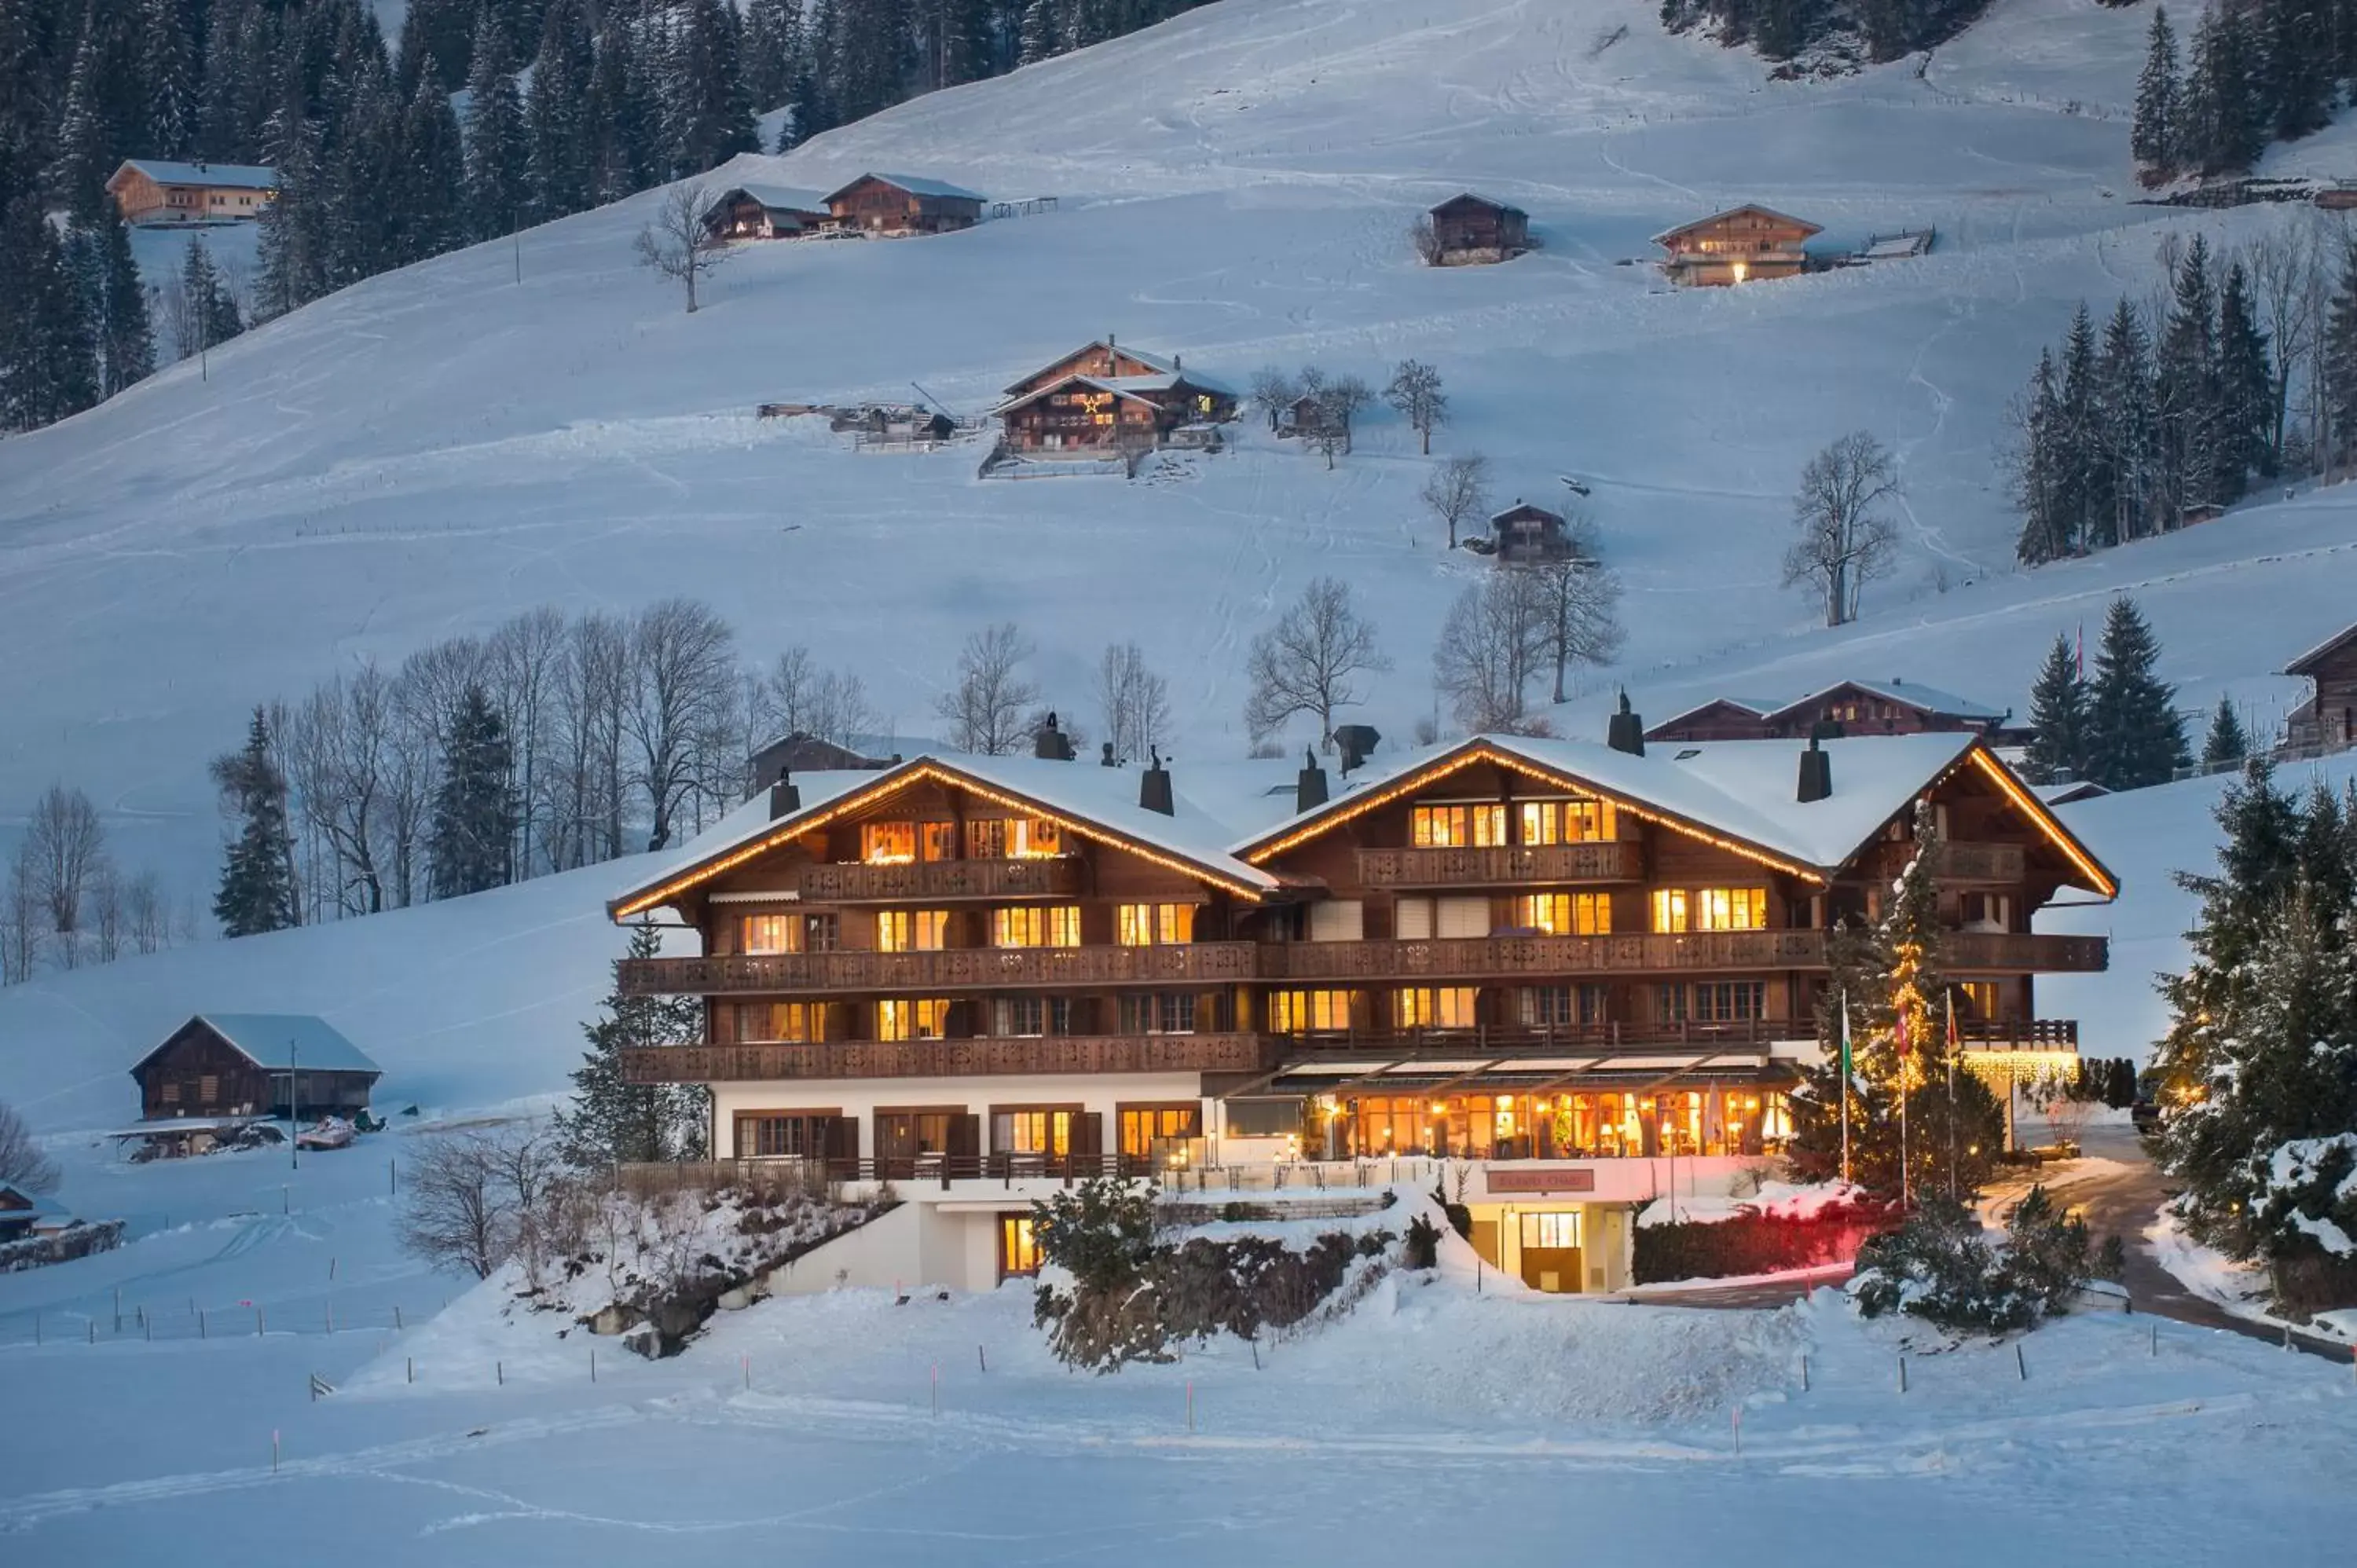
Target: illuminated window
[771,934]
[1566,913]
[762,1136]
[924,1018]
[1449,827]
[937,841]
[1669,910]
[1036,926]
[1551,1231]
[1012,838]
[1445,1007]
[1302,1012]
[1975,998]
[1158,1013]
[1560,1006]
[1730,909]
[1722,1002]
[887,843]
[1568,821]
[1031,1131]
[1144,925]
[911,930]
[1018,1249]
[1145,1126]
[795,1021]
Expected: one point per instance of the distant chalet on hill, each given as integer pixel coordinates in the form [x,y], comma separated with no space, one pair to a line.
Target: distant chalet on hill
[2327,720]
[766,213]
[159,190]
[903,204]
[253,1064]
[1472,231]
[1849,707]
[1742,245]
[1103,396]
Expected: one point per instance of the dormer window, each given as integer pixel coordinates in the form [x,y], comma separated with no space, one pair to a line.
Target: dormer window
[887,843]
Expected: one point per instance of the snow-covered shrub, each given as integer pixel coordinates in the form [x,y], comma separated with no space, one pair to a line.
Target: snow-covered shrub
[1756,1240]
[1422,1248]
[1940,1268]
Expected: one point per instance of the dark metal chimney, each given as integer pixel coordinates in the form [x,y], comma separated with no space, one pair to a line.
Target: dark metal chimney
[1107,759]
[1627,731]
[1310,788]
[785,798]
[1153,787]
[1050,743]
[1817,773]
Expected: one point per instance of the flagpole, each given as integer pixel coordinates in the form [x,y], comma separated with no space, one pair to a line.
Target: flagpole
[1903,1042]
[1951,1095]
[1843,998]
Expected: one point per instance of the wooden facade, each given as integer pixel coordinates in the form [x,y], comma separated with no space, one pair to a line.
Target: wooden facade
[217,1068]
[1742,245]
[1471,229]
[1102,397]
[766,213]
[1530,535]
[903,204]
[960,922]
[2327,720]
[1846,708]
[152,190]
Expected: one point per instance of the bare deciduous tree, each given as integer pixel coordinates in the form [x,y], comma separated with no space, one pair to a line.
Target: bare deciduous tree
[681,656]
[144,911]
[1309,661]
[674,244]
[107,915]
[1425,238]
[1459,491]
[1274,390]
[65,849]
[799,697]
[23,1164]
[469,1195]
[1340,403]
[1133,699]
[525,654]
[1844,541]
[1414,392]
[1490,645]
[1579,600]
[22,922]
[984,709]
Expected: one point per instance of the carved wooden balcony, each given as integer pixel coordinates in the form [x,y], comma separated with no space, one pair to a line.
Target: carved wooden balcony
[1481,958]
[950,1059]
[942,880]
[1954,860]
[1603,860]
[2024,952]
[943,970]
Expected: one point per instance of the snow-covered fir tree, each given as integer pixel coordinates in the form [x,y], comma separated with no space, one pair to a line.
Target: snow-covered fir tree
[470,840]
[499,157]
[257,890]
[2135,735]
[612,1120]
[2226,744]
[2057,713]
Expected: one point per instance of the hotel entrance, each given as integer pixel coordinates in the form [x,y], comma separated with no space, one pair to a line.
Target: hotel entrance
[1550,1249]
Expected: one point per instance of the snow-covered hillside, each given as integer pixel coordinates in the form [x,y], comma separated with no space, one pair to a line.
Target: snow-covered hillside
[435,448]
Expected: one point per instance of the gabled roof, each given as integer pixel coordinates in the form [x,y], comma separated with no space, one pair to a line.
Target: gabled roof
[1739,794]
[1758,707]
[1926,699]
[234,177]
[777,198]
[914,185]
[1801,224]
[33,1207]
[1521,506]
[1154,361]
[2307,662]
[1480,200]
[277,1042]
[1096,802]
[1132,387]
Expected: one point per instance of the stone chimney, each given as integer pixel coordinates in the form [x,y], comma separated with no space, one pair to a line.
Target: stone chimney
[1154,787]
[1106,760]
[1309,786]
[785,798]
[1627,731]
[1817,773]
[1049,743]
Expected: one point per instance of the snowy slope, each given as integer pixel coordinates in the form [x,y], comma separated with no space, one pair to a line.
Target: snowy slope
[436,447]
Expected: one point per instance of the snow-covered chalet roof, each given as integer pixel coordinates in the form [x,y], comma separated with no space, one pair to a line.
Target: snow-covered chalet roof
[277,1042]
[1119,386]
[1098,802]
[778,198]
[914,185]
[2306,663]
[1668,234]
[1930,699]
[231,176]
[1744,790]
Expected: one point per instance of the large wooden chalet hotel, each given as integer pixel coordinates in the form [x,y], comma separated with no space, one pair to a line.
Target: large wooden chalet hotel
[1586,970]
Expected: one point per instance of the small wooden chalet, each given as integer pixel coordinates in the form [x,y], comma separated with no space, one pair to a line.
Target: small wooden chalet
[1721,718]
[798,751]
[1104,396]
[1527,535]
[254,1064]
[1739,245]
[1471,229]
[1848,707]
[162,190]
[766,213]
[23,1214]
[903,204]
[2327,720]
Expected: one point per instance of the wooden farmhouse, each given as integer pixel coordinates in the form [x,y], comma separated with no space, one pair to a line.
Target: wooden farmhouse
[1527,535]
[1105,397]
[1471,229]
[798,751]
[1848,707]
[903,204]
[1740,245]
[160,190]
[766,213]
[253,1064]
[1561,962]
[23,1214]
[2327,720]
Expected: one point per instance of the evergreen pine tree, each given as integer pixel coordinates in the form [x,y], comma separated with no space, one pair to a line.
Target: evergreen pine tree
[2125,416]
[556,115]
[429,208]
[2079,470]
[2185,384]
[126,345]
[170,68]
[257,884]
[499,158]
[2057,713]
[2246,390]
[2155,138]
[613,1120]
[470,841]
[295,249]
[1039,39]
[708,119]
[2037,478]
[2294,45]
[873,58]
[86,154]
[2135,735]
[48,353]
[2227,744]
[772,52]
[2340,365]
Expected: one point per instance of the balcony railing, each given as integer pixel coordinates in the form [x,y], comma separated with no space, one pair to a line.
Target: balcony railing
[949,1059]
[1508,1042]
[1605,860]
[2024,952]
[1954,860]
[944,969]
[1479,958]
[944,879]
[2018,1034]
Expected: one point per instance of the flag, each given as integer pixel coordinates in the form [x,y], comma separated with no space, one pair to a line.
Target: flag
[2082,651]
[1844,1041]
[1901,1031]
[1951,1033]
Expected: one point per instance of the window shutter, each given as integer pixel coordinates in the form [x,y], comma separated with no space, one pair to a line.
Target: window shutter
[1464,917]
[1411,920]
[1338,920]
